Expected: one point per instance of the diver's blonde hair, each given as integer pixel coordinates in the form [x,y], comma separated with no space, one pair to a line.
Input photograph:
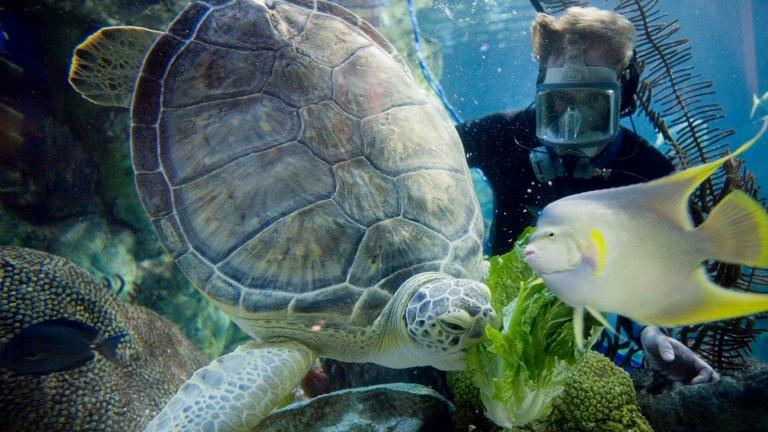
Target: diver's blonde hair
[592,25]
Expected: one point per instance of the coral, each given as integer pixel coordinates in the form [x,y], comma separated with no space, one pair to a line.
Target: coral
[470,412]
[735,403]
[106,393]
[385,407]
[105,251]
[598,396]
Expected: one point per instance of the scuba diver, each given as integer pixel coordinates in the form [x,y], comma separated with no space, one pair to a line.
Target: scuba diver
[570,141]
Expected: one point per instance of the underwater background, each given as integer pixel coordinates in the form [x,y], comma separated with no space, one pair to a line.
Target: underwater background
[66,184]
[487,64]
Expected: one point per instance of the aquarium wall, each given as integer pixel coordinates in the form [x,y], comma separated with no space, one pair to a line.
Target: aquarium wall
[72,222]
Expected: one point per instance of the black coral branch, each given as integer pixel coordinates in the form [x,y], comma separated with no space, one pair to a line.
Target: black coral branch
[681,106]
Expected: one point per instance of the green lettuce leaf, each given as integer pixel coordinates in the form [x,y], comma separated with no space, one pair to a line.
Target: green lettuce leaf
[521,368]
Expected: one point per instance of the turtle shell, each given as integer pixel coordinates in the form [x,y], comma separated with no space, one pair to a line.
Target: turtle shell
[293,167]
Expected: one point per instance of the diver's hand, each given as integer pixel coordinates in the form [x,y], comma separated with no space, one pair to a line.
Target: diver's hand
[674,362]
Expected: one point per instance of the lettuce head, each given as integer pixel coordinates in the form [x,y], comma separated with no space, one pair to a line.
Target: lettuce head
[521,368]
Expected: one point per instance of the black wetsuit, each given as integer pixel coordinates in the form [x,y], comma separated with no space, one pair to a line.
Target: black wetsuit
[499,144]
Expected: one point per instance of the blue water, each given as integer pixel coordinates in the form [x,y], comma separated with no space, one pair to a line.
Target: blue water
[487,64]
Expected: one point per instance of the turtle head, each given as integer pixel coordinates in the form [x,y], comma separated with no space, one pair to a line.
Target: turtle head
[446,315]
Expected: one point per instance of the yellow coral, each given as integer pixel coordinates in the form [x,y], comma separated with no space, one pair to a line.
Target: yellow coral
[466,397]
[598,396]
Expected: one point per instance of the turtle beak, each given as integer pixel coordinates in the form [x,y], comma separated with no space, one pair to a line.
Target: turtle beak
[494,320]
[477,333]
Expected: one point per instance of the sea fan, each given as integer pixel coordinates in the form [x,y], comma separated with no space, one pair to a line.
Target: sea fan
[673,96]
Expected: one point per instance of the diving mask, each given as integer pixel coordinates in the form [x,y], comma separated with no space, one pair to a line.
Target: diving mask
[577,106]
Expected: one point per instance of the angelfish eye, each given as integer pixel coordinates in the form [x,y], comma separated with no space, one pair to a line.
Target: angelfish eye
[550,234]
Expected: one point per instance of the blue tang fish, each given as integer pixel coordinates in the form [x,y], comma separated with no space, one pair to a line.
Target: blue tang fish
[55,346]
[635,251]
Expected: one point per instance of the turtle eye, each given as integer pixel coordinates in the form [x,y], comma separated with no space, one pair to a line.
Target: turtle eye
[455,322]
[453,326]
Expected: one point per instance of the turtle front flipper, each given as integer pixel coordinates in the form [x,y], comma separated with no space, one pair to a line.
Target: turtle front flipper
[236,391]
[105,66]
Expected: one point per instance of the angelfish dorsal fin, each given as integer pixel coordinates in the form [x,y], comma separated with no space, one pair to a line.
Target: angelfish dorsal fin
[105,66]
[666,197]
[670,194]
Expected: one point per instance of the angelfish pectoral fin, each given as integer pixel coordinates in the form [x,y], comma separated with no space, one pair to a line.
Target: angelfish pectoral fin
[595,254]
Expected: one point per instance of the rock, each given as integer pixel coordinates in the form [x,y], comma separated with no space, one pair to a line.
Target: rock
[387,407]
[16,230]
[105,251]
[737,403]
[343,375]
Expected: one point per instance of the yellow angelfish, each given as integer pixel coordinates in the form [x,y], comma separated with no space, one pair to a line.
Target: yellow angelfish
[635,251]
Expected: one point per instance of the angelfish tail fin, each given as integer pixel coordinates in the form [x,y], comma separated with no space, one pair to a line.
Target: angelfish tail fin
[736,231]
[716,303]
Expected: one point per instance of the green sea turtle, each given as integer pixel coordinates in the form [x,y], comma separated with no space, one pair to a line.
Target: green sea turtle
[306,185]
